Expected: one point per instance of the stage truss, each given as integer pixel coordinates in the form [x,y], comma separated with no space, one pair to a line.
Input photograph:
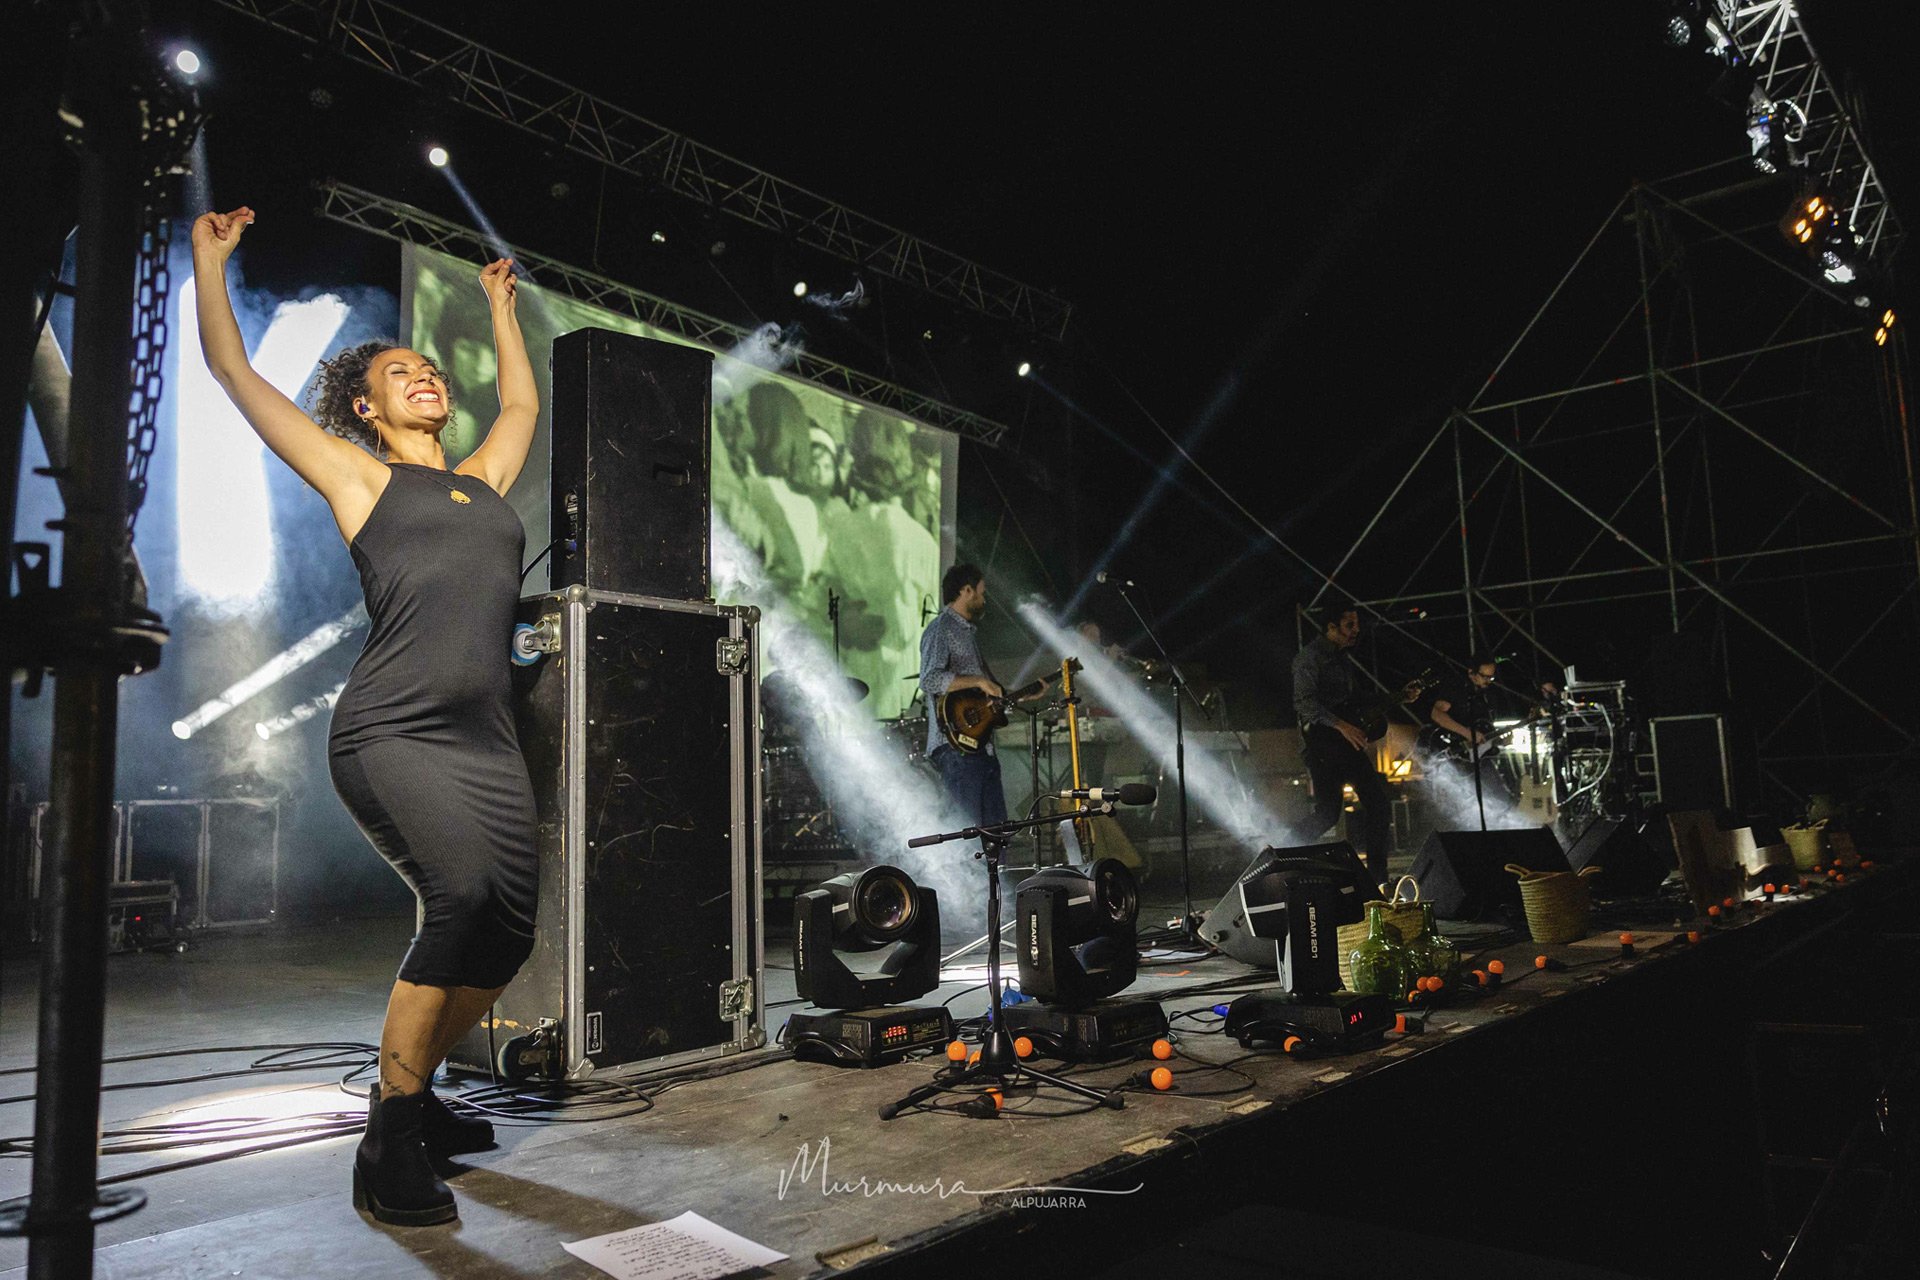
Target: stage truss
[382,35]
[367,211]
[1693,467]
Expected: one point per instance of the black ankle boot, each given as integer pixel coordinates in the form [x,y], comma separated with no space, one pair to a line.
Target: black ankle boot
[392,1179]
[447,1133]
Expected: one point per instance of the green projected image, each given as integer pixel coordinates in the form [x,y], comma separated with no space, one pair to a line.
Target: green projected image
[830,498]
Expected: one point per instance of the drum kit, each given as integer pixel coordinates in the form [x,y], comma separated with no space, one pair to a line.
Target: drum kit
[798,814]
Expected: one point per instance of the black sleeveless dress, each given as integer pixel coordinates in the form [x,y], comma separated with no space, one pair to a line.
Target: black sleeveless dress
[423,750]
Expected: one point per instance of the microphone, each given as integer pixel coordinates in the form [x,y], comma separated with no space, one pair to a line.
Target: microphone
[1126,793]
[1103,577]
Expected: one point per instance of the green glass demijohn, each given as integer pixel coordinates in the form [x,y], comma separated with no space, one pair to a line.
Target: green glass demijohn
[1380,963]
[1431,954]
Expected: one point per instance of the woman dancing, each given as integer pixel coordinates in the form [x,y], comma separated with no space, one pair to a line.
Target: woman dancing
[423,750]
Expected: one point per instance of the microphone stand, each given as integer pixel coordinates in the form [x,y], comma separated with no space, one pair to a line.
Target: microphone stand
[999,1064]
[833,616]
[1189,927]
[1477,708]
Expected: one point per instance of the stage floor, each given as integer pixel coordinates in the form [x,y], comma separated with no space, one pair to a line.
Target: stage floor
[789,1154]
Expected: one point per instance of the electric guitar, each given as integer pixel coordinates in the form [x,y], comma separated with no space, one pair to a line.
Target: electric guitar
[1454,747]
[969,716]
[1369,712]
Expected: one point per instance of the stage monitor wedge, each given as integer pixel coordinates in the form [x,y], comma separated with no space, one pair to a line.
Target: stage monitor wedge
[1630,864]
[1258,932]
[632,440]
[1464,873]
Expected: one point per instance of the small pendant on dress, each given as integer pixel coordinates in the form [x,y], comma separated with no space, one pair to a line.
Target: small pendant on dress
[458,496]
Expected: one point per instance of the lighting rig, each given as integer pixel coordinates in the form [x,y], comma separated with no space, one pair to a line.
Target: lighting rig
[1290,904]
[1075,933]
[879,910]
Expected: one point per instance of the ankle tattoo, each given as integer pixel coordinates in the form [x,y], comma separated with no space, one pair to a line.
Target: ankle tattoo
[406,1081]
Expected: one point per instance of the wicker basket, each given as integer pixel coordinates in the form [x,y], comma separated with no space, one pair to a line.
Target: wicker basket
[1808,844]
[1403,917]
[1556,902]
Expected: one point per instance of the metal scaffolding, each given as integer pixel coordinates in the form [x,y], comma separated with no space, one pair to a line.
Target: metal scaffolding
[396,221]
[1723,481]
[1790,88]
[384,36]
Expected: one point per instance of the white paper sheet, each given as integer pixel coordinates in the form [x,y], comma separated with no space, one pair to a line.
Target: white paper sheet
[686,1248]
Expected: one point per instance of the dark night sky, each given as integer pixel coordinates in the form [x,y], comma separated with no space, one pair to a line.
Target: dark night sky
[1327,226]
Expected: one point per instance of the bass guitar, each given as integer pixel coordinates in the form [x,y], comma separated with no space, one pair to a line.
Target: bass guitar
[1370,712]
[968,717]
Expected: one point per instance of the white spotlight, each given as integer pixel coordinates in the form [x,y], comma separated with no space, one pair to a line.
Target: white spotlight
[299,713]
[309,647]
[1026,367]
[226,542]
[658,237]
[799,288]
[437,157]
[188,62]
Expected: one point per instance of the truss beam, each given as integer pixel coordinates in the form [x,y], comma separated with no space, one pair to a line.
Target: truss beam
[369,212]
[384,36]
[1796,88]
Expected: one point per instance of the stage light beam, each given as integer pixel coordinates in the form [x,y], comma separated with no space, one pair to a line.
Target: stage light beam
[1211,784]
[220,493]
[298,714]
[309,647]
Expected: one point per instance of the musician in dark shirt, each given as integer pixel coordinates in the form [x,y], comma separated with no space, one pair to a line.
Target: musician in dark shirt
[1337,751]
[1462,707]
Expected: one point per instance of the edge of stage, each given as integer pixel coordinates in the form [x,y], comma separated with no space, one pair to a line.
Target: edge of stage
[1598,1120]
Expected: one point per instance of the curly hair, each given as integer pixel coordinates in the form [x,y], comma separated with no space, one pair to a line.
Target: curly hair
[342,380]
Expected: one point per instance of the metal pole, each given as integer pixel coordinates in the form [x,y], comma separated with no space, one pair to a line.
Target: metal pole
[1540,314]
[1531,638]
[1526,555]
[1466,561]
[1899,389]
[1653,392]
[1368,531]
[1771,447]
[66,1203]
[1699,581]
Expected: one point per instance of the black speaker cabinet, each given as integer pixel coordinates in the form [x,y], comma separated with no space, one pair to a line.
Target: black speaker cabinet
[1229,927]
[1630,865]
[632,422]
[637,718]
[1464,873]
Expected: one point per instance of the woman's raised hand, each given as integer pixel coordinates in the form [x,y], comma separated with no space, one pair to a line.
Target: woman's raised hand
[218,234]
[499,282]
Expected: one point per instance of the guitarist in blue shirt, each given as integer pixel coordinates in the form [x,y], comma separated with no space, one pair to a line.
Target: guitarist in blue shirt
[950,661]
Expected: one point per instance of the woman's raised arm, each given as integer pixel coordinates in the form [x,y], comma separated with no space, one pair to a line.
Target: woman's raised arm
[342,473]
[501,455]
